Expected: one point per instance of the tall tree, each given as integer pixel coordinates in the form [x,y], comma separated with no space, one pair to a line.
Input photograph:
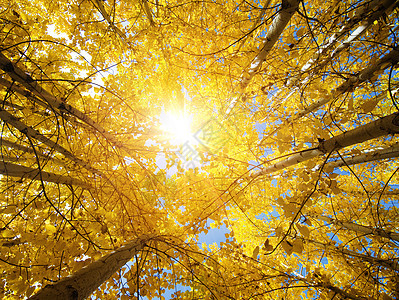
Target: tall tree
[293,149]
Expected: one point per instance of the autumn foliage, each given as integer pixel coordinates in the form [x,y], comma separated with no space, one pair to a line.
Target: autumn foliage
[295,110]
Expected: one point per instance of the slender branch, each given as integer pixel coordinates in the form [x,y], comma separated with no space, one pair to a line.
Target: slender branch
[390,59]
[99,5]
[389,264]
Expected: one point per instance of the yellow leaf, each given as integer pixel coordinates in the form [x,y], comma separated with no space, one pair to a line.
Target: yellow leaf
[255,253]
[280,201]
[50,228]
[7,233]
[297,246]
[300,32]
[369,105]
[8,210]
[304,230]
[287,247]
[267,245]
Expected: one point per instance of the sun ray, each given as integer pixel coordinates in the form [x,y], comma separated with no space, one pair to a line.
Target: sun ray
[178,128]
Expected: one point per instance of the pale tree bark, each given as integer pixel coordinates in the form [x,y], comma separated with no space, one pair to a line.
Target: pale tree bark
[390,152]
[384,126]
[29,83]
[390,59]
[389,264]
[32,133]
[377,9]
[361,229]
[39,153]
[84,282]
[10,144]
[99,5]
[12,86]
[13,170]
[147,11]
[256,23]
[380,8]
[288,8]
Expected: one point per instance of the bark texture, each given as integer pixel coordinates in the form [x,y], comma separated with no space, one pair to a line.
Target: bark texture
[32,133]
[13,170]
[288,8]
[84,282]
[361,229]
[384,126]
[31,85]
[390,152]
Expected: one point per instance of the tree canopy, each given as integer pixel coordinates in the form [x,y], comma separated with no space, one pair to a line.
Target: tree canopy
[293,108]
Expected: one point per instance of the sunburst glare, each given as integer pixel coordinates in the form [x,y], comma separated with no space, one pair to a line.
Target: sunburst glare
[178,128]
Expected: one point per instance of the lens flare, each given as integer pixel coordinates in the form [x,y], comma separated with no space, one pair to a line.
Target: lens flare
[178,128]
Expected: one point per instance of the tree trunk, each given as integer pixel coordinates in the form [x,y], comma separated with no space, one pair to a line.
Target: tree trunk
[378,9]
[384,126]
[384,62]
[13,170]
[361,229]
[29,83]
[32,133]
[12,86]
[390,152]
[288,8]
[84,282]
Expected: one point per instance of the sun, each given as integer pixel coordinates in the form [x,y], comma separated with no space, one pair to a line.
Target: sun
[178,128]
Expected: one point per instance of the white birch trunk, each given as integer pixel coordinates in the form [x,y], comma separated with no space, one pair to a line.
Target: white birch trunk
[386,61]
[7,143]
[390,152]
[84,282]
[361,229]
[378,8]
[30,132]
[13,170]
[288,8]
[375,129]
[29,83]
[389,264]
[12,86]
[106,16]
